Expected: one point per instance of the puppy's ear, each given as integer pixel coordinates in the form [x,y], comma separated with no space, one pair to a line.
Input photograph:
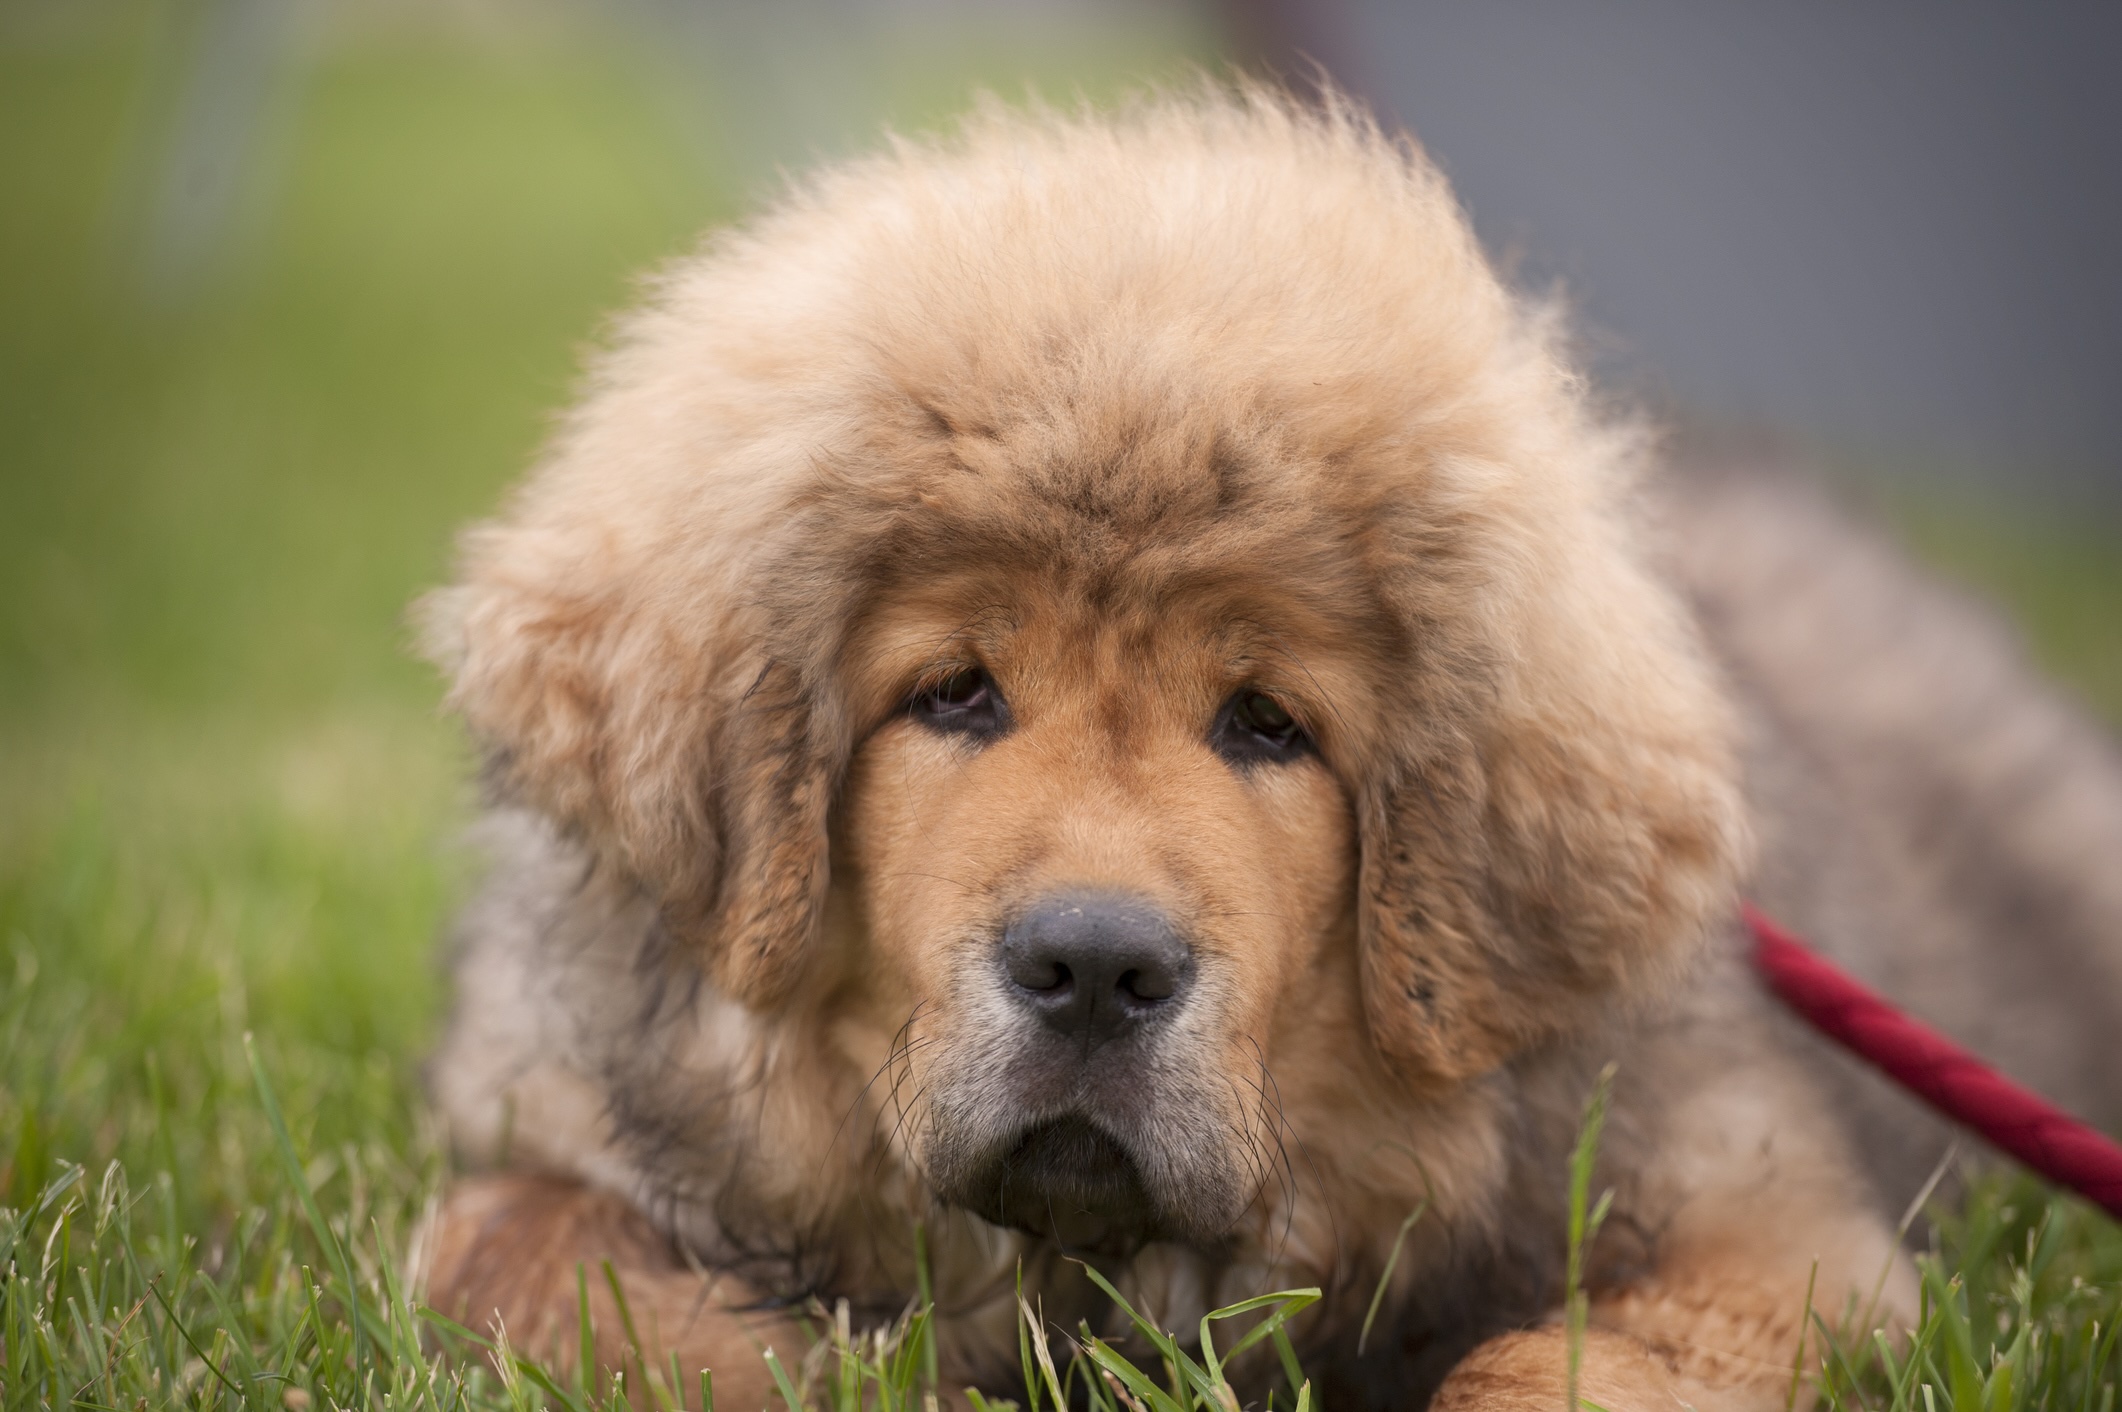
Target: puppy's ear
[656,732]
[772,784]
[1559,860]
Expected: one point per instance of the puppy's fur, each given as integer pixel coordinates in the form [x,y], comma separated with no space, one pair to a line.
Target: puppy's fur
[1135,414]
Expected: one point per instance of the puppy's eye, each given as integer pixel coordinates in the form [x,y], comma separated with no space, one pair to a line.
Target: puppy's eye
[1254,726]
[964,702]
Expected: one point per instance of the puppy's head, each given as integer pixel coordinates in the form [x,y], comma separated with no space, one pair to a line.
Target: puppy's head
[1106,604]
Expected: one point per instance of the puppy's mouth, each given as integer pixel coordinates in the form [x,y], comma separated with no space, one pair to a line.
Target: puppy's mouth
[1069,1180]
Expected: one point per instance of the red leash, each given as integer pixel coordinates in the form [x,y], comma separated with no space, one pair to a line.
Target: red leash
[1936,1070]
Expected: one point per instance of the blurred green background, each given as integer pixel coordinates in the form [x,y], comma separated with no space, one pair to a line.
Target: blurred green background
[227,801]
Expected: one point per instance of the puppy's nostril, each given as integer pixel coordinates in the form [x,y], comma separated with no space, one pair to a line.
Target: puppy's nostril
[1035,970]
[1150,985]
[1097,964]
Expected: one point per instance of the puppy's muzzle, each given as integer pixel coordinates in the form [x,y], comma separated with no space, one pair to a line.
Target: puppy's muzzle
[1081,1123]
[1096,967]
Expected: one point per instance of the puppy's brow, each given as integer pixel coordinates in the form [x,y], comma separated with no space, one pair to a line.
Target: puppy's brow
[980,627]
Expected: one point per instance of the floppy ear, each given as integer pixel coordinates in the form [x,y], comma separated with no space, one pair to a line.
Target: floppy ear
[772,787]
[658,733]
[1559,862]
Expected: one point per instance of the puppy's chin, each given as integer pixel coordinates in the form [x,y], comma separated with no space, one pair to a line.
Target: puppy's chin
[1071,1180]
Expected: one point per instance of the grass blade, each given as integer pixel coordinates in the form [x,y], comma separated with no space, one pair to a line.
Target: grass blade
[1377,1297]
[1583,1225]
[334,1248]
[781,1381]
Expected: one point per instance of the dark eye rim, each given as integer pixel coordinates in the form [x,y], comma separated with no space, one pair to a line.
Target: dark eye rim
[964,701]
[1242,740]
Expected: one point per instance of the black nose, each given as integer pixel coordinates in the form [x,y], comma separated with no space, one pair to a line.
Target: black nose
[1095,965]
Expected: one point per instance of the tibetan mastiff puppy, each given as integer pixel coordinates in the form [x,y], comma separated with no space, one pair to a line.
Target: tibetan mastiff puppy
[1098,690]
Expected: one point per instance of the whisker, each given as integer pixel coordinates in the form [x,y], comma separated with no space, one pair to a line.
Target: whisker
[892,1137]
[958,883]
[892,1054]
[1282,1124]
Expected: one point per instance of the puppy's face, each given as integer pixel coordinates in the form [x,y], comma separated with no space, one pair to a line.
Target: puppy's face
[1085,645]
[1097,853]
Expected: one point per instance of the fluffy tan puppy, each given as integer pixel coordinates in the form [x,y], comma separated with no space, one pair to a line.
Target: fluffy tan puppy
[1098,687]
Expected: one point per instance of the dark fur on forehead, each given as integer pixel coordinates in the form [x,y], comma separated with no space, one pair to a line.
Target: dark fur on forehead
[1122,513]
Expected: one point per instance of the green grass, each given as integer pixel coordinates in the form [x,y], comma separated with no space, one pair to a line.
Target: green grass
[227,807]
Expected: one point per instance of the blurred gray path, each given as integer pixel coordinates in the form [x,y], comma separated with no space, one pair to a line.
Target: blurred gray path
[1895,224]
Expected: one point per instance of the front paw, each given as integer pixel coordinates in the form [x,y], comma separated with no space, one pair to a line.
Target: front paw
[1530,1370]
[507,1255]
[504,1250]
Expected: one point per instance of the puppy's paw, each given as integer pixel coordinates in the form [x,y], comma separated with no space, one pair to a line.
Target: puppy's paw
[507,1254]
[1530,1371]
